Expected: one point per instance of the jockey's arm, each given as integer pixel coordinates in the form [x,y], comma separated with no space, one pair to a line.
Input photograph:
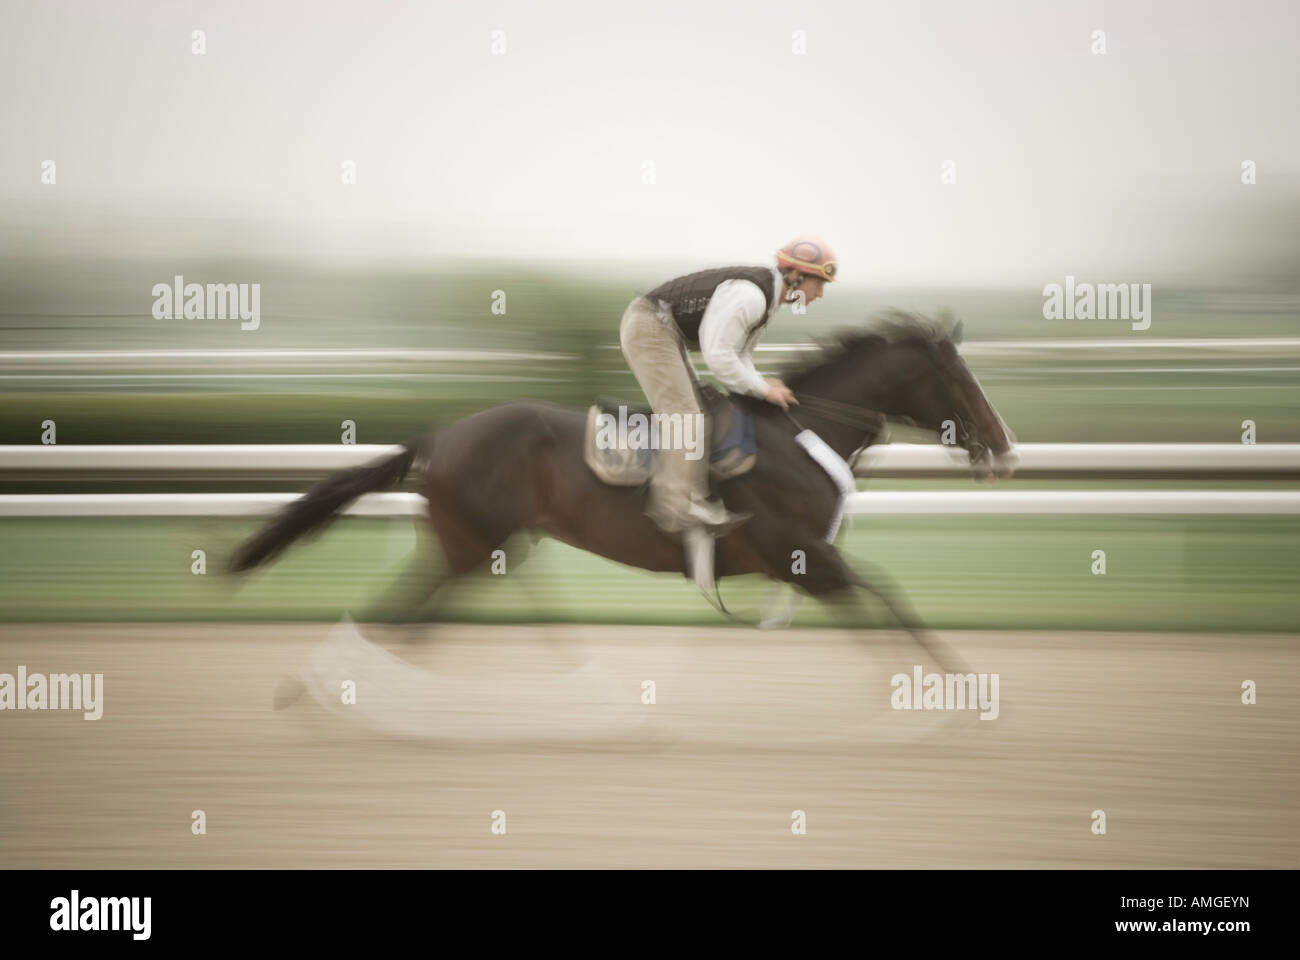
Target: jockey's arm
[729,321]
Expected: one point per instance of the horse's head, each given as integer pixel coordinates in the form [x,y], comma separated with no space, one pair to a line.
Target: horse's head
[921,379]
[974,424]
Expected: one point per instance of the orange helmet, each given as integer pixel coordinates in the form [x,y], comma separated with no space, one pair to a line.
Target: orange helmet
[810,255]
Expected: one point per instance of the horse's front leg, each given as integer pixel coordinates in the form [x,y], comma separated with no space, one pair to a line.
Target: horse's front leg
[814,566]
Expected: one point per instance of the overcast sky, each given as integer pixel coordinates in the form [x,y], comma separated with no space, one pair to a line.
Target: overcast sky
[1124,166]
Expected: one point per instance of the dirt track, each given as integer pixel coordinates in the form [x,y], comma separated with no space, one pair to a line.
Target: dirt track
[747,727]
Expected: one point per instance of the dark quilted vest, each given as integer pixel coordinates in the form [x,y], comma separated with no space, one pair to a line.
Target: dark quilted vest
[688,296]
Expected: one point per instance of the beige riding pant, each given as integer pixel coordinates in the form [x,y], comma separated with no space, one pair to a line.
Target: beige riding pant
[679,487]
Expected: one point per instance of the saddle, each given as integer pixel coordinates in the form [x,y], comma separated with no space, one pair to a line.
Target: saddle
[622,440]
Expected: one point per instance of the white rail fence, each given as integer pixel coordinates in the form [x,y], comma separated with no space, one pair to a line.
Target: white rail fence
[889,502]
[217,462]
[274,461]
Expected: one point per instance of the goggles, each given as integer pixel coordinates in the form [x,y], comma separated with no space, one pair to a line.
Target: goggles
[826,271]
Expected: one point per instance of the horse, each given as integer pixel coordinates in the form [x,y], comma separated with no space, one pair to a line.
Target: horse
[520,467]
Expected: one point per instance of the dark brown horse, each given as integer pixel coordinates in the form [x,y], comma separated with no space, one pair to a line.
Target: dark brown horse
[520,466]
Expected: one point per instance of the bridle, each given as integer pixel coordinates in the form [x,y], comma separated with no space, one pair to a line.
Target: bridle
[969,440]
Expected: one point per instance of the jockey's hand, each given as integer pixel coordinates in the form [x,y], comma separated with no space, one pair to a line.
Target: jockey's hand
[780,394]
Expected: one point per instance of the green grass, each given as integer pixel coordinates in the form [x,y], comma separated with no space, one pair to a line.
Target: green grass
[1170,573]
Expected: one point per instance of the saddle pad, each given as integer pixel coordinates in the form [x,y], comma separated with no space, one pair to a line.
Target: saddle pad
[734,448]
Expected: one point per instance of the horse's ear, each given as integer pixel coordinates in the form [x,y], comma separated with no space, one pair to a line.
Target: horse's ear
[949,326]
[958,331]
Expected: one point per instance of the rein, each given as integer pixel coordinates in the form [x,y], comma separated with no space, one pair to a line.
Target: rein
[845,414]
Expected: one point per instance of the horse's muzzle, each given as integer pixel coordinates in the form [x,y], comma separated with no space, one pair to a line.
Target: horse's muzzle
[987,466]
[1005,464]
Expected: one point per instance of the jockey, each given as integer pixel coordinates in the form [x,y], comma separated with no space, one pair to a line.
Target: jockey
[722,312]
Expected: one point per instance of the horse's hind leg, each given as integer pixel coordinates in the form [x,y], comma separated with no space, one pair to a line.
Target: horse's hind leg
[461,541]
[485,526]
[449,548]
[406,601]
[446,548]
[400,607]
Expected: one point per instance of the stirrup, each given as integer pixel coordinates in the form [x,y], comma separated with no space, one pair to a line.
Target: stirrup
[698,544]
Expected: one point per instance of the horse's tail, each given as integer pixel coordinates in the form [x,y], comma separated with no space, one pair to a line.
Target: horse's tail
[317,506]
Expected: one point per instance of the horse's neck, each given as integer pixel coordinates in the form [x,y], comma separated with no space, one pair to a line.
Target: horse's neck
[843,418]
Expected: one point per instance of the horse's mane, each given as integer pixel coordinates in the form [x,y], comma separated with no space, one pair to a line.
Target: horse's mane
[885,328]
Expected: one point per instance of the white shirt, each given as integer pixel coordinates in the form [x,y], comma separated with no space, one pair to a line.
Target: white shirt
[729,331]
